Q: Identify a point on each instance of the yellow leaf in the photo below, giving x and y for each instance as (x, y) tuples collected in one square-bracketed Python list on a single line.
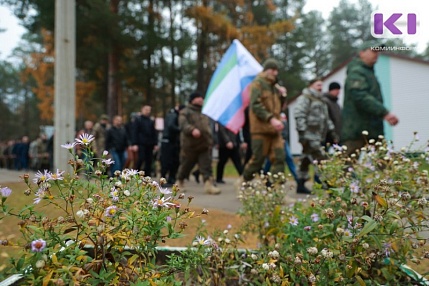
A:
[(47, 278), (382, 202), (132, 259), (360, 281)]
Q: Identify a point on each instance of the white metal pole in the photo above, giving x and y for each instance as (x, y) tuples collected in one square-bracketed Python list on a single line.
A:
[(65, 72)]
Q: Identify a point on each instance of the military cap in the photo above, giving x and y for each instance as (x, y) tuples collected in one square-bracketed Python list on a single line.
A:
[(271, 64)]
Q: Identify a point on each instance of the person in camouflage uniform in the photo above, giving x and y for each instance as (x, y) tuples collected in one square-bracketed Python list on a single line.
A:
[(266, 98), (313, 124), (100, 129), (363, 108), (196, 141)]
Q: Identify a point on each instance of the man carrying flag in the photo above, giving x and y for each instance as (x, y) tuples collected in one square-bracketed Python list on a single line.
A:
[(266, 101)]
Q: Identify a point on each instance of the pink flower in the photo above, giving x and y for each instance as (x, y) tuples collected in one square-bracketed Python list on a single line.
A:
[(38, 245)]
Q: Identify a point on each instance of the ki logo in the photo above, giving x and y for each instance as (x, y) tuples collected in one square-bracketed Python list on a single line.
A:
[(393, 25)]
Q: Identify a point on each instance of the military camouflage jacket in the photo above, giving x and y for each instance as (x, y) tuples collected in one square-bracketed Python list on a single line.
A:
[(312, 116), (265, 103), (363, 103), (190, 118)]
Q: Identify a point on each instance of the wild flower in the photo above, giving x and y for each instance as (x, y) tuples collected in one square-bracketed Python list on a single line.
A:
[(293, 220), (312, 250), (5, 192), (108, 162), (111, 211), (327, 253), (57, 176), (165, 191), (387, 247), (38, 245), (82, 213), (200, 240), (315, 217), (40, 177), (114, 194), (354, 187), (40, 263), (40, 194), (162, 202), (69, 146), (85, 139), (347, 232)]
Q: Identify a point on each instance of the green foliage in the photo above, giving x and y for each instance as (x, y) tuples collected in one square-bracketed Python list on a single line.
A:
[(348, 27), (106, 229), (366, 221), (362, 227)]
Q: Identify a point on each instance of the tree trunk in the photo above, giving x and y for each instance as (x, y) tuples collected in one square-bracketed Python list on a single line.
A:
[(201, 54), (112, 77)]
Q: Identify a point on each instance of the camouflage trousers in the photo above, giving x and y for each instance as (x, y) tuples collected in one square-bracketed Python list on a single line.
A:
[(263, 147), (189, 158), (311, 150)]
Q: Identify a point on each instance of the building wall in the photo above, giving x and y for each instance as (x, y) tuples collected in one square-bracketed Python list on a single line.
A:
[(410, 102)]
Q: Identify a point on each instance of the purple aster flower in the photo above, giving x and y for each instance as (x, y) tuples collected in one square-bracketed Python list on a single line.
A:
[(315, 217), (111, 211), (200, 240), (38, 245), (5, 192), (58, 176), (293, 220), (387, 248), (162, 202), (40, 177), (40, 194), (354, 187), (347, 232), (165, 191), (115, 195)]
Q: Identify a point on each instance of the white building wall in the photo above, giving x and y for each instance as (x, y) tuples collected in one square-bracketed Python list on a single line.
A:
[(410, 102)]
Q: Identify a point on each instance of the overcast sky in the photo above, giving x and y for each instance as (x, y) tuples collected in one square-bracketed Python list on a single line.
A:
[(10, 38)]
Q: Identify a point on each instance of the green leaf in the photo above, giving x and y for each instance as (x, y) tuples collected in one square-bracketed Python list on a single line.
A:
[(360, 280), (368, 228)]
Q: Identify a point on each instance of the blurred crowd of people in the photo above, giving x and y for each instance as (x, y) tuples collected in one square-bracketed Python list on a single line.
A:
[(185, 145), (23, 154)]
